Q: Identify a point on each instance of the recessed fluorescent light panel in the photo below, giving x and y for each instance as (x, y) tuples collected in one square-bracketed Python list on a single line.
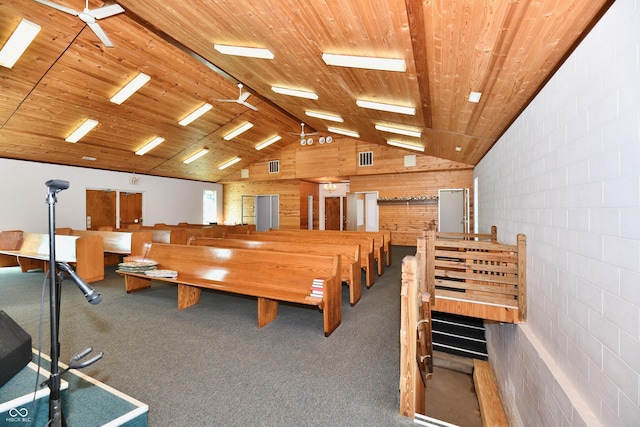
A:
[(475, 97), (399, 131), (197, 113), (89, 158), (324, 116), (150, 146), (196, 156), (411, 111), (367, 62), (268, 142), (405, 145), (249, 52), (238, 131), (344, 132), (229, 163), (294, 92), (82, 130), (130, 88), (18, 43)]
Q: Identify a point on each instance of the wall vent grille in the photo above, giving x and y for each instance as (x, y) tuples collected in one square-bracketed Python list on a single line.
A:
[(274, 166), (365, 158)]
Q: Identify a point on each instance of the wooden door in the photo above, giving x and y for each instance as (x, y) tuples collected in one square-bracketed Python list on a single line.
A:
[(130, 209), (100, 209), (356, 219), (332, 213)]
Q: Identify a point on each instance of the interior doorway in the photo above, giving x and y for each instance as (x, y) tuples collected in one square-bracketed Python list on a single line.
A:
[(362, 211), (332, 214), (453, 210), (111, 209), (267, 210)]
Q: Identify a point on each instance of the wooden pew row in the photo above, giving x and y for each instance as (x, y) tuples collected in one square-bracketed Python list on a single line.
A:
[(349, 256), (32, 252), (366, 246), (268, 275), (378, 241), (115, 243)]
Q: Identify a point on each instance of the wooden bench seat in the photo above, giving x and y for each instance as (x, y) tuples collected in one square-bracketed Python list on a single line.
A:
[(349, 256), (367, 261), (268, 275), (32, 252), (378, 240)]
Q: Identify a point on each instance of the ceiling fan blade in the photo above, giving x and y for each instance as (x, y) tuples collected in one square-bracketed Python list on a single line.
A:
[(100, 33), (246, 104), (59, 7), (106, 11), (244, 96)]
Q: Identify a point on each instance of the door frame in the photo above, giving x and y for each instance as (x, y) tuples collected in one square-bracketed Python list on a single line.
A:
[(144, 202)]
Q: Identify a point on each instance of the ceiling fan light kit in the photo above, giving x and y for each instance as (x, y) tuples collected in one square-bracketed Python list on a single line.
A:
[(130, 88), (18, 43)]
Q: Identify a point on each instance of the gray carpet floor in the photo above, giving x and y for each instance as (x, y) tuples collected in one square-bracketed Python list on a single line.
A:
[(210, 364)]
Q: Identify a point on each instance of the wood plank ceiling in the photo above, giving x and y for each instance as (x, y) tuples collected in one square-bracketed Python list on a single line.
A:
[(505, 49)]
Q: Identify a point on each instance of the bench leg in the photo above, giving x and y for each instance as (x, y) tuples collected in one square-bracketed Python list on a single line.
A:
[(187, 296), (267, 311), (132, 283)]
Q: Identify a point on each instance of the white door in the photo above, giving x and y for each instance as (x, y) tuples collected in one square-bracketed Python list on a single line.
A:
[(453, 208)]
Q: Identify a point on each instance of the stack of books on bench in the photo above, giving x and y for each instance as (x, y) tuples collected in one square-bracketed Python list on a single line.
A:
[(137, 267), (317, 290)]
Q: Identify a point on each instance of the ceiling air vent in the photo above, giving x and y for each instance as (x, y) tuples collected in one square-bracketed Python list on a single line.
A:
[(274, 166), (366, 158)]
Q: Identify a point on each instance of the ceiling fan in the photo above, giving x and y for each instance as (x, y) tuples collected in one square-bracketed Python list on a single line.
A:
[(242, 99), (89, 17)]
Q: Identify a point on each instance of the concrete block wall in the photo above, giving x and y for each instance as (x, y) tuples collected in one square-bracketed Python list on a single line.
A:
[(567, 174)]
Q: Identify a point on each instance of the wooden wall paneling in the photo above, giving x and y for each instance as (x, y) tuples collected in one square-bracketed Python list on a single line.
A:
[(288, 192), (406, 221)]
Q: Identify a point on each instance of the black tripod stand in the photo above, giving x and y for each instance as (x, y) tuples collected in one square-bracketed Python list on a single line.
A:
[(56, 418)]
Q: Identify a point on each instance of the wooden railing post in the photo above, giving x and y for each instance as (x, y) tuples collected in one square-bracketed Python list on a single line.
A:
[(522, 277), (430, 264)]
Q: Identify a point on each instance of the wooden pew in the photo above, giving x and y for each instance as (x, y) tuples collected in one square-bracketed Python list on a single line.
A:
[(115, 243), (378, 241), (268, 275), (349, 256), (366, 245), (32, 252)]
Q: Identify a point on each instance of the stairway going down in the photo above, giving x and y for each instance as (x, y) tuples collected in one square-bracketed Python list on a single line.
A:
[(459, 335)]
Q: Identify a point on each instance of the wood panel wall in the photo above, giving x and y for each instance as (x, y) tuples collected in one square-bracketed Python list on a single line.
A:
[(406, 221), (289, 192), (389, 176)]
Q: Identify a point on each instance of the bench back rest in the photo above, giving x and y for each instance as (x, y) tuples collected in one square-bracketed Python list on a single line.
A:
[(378, 236), (292, 270), (176, 236), (117, 242), (366, 243), (349, 253), (38, 244)]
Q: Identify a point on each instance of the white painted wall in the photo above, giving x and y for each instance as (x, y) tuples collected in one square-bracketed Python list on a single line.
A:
[(567, 174), (23, 196)]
